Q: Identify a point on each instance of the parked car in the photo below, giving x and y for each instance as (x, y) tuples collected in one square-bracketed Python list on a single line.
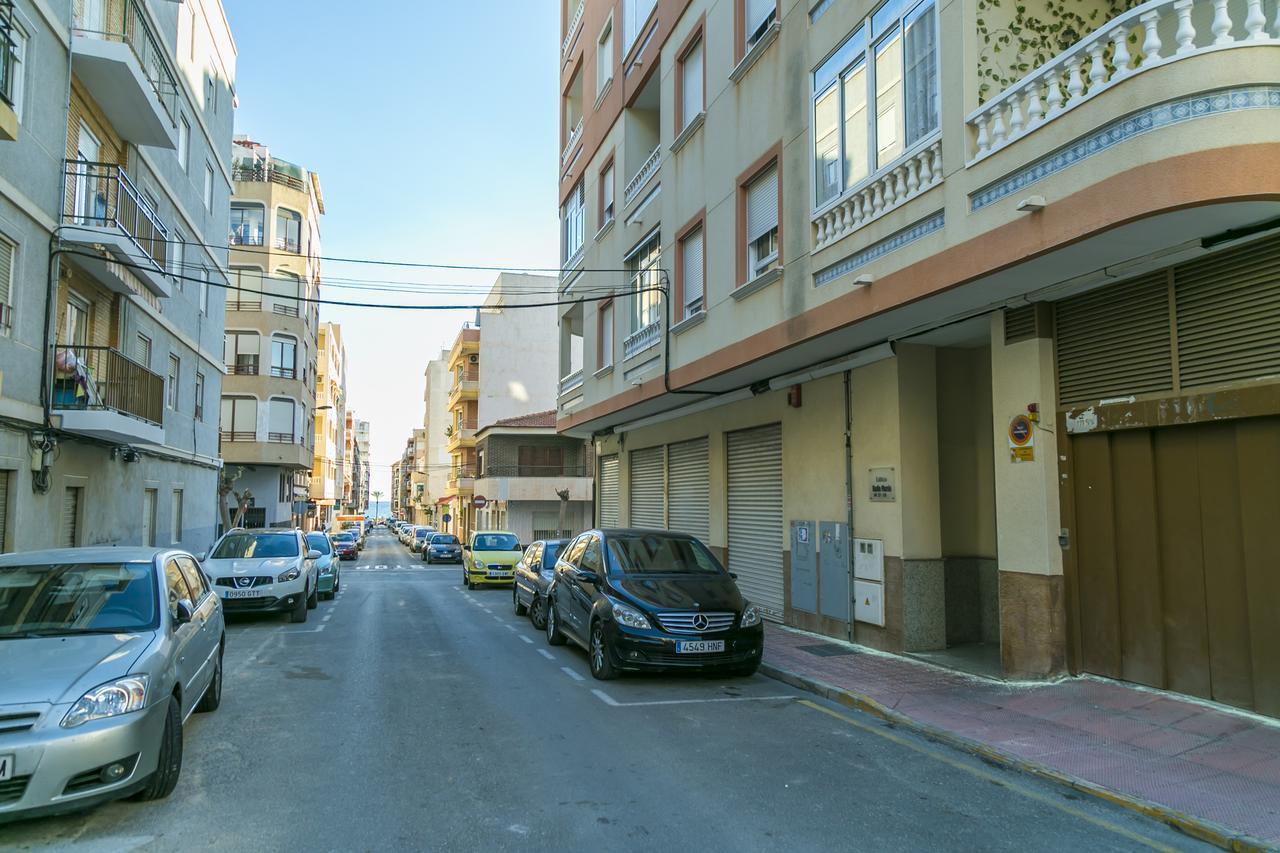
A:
[(327, 568), (346, 545), (651, 599), (103, 654), (265, 572), (406, 530), (421, 535), (490, 558), (534, 574), (442, 547)]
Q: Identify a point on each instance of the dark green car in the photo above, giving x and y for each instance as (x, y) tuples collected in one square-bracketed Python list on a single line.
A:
[(330, 571)]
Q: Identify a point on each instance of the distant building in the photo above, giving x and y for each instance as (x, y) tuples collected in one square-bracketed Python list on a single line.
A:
[(328, 470)]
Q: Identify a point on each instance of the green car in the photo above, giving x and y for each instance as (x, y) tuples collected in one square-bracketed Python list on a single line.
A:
[(328, 565)]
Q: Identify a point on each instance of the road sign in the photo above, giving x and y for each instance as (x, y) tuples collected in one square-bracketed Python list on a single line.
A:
[(479, 502)]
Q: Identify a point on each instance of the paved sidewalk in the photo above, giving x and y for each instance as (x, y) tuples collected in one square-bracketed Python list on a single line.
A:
[(1213, 772)]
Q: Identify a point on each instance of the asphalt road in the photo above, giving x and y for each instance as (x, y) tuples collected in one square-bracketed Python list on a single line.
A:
[(410, 714)]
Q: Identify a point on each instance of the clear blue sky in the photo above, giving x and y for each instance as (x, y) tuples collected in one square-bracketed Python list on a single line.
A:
[(432, 126)]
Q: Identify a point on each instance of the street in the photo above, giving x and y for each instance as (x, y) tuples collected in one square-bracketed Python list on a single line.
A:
[(411, 714)]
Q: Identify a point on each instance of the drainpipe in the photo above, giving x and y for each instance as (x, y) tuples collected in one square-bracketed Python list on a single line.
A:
[(848, 490)]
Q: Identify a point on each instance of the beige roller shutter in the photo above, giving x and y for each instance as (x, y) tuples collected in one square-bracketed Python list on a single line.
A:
[(689, 488), (607, 491), (70, 533), (647, 495), (4, 507), (755, 515)]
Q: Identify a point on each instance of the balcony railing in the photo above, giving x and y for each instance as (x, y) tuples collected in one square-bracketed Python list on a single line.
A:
[(284, 372), (647, 170), (244, 365), (574, 136), (571, 382), (899, 182), (237, 435), (466, 472), (573, 27), (87, 377), (288, 244), (123, 21), (244, 304), (285, 309), (244, 235), (267, 173), (100, 195), (1147, 36), (281, 438), (6, 51), (642, 339)]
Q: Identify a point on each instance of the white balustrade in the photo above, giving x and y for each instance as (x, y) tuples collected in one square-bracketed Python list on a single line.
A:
[(1162, 31), (642, 339), (568, 147), (642, 177), (573, 28), (570, 382), (890, 188)]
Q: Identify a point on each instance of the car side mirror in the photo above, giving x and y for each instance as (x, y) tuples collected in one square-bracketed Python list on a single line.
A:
[(313, 554), (186, 612), (466, 547), (587, 576), (202, 556)]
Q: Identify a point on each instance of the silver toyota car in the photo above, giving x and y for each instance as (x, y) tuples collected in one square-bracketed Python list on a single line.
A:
[(104, 652)]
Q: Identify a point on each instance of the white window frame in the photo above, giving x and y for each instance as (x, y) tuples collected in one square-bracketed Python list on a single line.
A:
[(204, 291), (753, 31), (198, 410), (173, 381), (177, 260), (573, 224), (608, 330), (18, 68), (644, 264), (608, 194), (693, 306), (633, 20), (762, 250), (208, 187), (184, 142), (6, 286), (604, 56)]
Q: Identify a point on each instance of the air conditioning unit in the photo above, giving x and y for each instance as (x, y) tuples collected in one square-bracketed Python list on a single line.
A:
[(474, 359)]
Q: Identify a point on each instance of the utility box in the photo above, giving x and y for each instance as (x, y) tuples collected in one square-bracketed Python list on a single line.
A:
[(869, 602), (833, 569), (804, 567), (868, 583)]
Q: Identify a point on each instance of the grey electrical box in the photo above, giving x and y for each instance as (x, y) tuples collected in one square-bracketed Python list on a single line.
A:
[(804, 567), (833, 568)]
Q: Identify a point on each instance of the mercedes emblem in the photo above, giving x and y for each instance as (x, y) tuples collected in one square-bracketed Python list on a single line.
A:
[(700, 622)]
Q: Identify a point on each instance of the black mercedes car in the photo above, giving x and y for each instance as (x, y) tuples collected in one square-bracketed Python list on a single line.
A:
[(651, 599), (534, 573)]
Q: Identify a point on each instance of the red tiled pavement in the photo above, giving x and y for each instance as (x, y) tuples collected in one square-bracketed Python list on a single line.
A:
[(1209, 764)]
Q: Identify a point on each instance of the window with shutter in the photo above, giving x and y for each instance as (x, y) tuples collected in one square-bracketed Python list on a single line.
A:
[(691, 272), (762, 223), (691, 84), (757, 16), (281, 420), (7, 254)]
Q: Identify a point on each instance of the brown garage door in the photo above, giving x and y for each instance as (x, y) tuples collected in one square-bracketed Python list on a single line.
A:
[(1175, 558)]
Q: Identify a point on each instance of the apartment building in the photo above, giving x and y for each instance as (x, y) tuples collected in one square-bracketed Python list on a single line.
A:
[(957, 352), (115, 119), (501, 366), (328, 468), (437, 382), (396, 498), (361, 471), (272, 334)]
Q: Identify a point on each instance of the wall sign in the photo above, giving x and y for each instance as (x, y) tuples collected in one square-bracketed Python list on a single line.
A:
[(1022, 439), (883, 485)]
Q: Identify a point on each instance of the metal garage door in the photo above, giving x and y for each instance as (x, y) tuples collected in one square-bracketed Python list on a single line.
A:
[(70, 517), (607, 491), (689, 488), (4, 507), (755, 515), (647, 497)]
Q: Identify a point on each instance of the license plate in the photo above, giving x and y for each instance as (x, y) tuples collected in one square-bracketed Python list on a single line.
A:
[(6, 767), (499, 574), (246, 593), (698, 647)]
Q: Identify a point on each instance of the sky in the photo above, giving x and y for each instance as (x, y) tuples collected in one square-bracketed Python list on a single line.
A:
[(433, 128)]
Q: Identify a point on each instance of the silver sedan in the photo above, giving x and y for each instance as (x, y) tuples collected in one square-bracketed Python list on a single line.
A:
[(104, 653)]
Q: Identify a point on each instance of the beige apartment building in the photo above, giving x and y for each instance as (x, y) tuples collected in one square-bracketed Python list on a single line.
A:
[(272, 334), (328, 472), (958, 352)]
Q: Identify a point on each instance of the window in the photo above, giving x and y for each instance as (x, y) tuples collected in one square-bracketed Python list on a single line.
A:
[(204, 291), (246, 289), (692, 83), (240, 353), (17, 68), (184, 143), (604, 357), (194, 577), (284, 352), (208, 187), (757, 17), (634, 15), (692, 272), (144, 351), (177, 260), (573, 218), (591, 561), (248, 222), (288, 230), (239, 418), (200, 396), (171, 388), (8, 252), (75, 322), (280, 420), (175, 518), (604, 57), (534, 461), (150, 497), (872, 104), (606, 194), (761, 210), (646, 278)]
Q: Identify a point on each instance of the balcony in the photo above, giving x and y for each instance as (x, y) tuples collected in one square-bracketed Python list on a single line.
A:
[(534, 483), (244, 365), (125, 67), (574, 136), (272, 172), (467, 389), (570, 383), (462, 478), (572, 31), (459, 438), (249, 305), (641, 178), (912, 174), (102, 393), (642, 339), (102, 208)]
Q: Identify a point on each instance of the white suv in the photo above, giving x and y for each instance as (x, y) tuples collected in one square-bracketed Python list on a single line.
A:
[(264, 571)]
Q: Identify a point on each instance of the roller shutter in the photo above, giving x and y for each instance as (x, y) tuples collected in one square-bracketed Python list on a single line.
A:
[(689, 488), (70, 517), (607, 491), (755, 515), (648, 489), (4, 507)]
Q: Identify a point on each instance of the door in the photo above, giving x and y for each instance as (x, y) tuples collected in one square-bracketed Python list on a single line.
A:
[(607, 491), (1172, 567), (689, 488), (562, 592), (648, 502), (204, 645), (70, 526), (755, 515), (75, 322), (90, 199), (582, 592), (186, 649), (149, 518), (94, 16)]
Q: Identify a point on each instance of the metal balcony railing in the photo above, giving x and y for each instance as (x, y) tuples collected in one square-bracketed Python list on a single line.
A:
[(285, 309), (100, 195), (244, 365), (123, 21), (244, 304), (7, 46), (237, 435), (246, 235), (281, 437), (272, 172), (88, 377), (284, 372)]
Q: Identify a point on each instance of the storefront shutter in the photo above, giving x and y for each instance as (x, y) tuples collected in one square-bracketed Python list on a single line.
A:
[(648, 488), (607, 491), (755, 515), (70, 516), (689, 488), (4, 507)]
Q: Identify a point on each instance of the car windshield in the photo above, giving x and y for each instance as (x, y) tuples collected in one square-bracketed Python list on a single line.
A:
[(444, 540), (318, 542), (244, 546), (421, 534), (77, 598), (656, 554), (550, 552), (495, 542), (344, 537)]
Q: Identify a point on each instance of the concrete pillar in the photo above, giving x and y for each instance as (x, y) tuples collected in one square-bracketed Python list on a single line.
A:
[(1032, 605), (924, 625)]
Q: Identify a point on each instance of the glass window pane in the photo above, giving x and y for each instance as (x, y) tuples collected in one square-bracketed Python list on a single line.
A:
[(856, 129), (826, 155), (889, 131), (922, 74)]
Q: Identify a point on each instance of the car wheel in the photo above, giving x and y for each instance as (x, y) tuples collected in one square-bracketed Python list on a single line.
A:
[(601, 663), (554, 635), (212, 697), (538, 612), (314, 598), (299, 611), (169, 767), (519, 608)]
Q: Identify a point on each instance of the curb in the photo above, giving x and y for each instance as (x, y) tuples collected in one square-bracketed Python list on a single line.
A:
[(1193, 827)]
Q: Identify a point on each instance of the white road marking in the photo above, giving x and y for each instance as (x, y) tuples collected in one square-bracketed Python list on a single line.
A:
[(511, 628), (327, 617), (569, 672), (546, 654), (315, 630), (609, 700), (526, 639)]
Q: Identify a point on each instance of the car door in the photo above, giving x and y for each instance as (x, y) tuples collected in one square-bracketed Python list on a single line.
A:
[(207, 613), (583, 590), (186, 648), (525, 569), (565, 580)]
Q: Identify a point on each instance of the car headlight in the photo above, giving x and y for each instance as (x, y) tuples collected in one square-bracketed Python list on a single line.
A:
[(750, 616), (108, 700), (629, 616), (291, 575)]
